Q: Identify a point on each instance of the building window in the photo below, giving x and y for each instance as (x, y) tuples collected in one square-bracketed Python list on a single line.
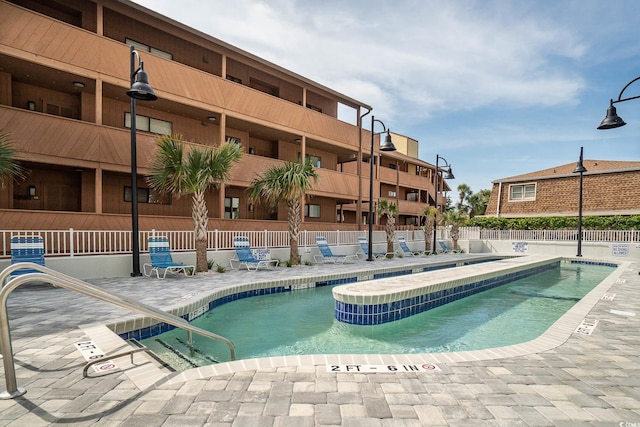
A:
[(392, 193), (234, 79), (393, 166), (231, 208), (148, 124), (141, 47), (232, 140), (312, 211), (147, 195), (315, 160), (522, 192)]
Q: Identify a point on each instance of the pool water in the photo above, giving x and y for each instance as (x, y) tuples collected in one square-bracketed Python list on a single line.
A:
[(302, 322)]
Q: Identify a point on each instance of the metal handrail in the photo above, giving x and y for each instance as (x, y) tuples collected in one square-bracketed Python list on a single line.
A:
[(85, 371), (56, 278)]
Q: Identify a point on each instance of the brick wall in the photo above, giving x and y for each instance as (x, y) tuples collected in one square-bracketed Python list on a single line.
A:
[(603, 193)]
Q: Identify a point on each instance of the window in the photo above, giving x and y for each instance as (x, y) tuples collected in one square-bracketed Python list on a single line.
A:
[(522, 192), (393, 166), (149, 124), (312, 211), (232, 140), (141, 47), (147, 195), (231, 207), (315, 160), (392, 193), (234, 79)]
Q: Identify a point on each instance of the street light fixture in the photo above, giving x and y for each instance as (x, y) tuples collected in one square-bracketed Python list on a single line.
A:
[(581, 170), (435, 202), (141, 90), (612, 120), (386, 146)]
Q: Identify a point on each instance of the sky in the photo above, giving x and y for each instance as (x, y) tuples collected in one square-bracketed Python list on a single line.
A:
[(495, 88)]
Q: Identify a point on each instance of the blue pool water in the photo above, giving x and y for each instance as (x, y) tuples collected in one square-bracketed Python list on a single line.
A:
[(302, 322)]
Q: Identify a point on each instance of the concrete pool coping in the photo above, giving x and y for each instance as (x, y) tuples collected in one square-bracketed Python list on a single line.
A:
[(146, 374)]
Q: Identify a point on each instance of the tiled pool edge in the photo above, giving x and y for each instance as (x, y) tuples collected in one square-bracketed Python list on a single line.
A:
[(556, 335), (140, 328), (385, 307)]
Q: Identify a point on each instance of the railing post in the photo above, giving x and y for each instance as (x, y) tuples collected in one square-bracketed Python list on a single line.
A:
[(71, 245)]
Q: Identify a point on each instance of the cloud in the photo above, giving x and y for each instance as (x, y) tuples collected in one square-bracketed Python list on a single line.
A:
[(425, 56)]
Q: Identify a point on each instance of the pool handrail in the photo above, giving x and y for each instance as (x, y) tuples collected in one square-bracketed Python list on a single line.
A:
[(56, 278)]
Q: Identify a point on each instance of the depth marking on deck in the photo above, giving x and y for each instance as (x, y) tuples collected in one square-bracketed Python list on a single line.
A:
[(91, 352), (608, 297), (425, 367), (587, 326)]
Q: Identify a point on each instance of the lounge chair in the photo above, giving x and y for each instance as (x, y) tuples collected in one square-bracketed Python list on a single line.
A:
[(27, 249), (161, 259), (364, 248), (246, 257), (404, 248), (446, 249), (327, 256)]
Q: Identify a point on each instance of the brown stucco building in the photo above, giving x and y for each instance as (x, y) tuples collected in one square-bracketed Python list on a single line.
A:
[(64, 74)]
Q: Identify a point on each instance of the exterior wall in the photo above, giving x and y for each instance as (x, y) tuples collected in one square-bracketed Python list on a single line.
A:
[(78, 147), (603, 194)]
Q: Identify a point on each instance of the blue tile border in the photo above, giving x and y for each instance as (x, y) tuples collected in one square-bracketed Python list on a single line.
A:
[(375, 314), (381, 312)]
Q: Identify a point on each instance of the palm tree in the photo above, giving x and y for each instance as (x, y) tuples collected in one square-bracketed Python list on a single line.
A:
[(192, 173), (288, 183), (464, 192), (430, 214), (455, 219), (390, 210), (478, 202), (9, 169)]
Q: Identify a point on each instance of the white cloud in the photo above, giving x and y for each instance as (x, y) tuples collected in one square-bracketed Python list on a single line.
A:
[(422, 55)]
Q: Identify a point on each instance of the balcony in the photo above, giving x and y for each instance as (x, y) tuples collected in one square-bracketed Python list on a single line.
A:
[(180, 88)]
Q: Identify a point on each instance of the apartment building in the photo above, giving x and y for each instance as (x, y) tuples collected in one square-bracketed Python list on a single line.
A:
[(64, 76)]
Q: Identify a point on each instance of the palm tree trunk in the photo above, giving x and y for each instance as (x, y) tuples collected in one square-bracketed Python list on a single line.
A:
[(455, 235), (294, 231), (200, 220), (390, 229)]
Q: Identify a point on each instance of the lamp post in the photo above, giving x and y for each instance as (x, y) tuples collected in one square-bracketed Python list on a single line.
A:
[(435, 197), (141, 90), (386, 146), (580, 169), (612, 120)]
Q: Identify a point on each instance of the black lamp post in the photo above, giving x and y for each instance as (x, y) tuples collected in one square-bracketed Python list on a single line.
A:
[(580, 169), (612, 120), (141, 90), (386, 146), (435, 196)]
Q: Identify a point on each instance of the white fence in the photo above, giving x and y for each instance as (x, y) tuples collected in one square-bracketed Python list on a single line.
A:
[(94, 242)]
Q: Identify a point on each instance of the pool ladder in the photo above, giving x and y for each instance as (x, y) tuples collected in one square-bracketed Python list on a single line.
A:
[(56, 278)]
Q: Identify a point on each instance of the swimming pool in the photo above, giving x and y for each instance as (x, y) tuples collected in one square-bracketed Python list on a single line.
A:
[(303, 322)]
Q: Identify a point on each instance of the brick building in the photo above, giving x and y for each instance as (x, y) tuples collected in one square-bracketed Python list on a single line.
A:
[(609, 188)]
